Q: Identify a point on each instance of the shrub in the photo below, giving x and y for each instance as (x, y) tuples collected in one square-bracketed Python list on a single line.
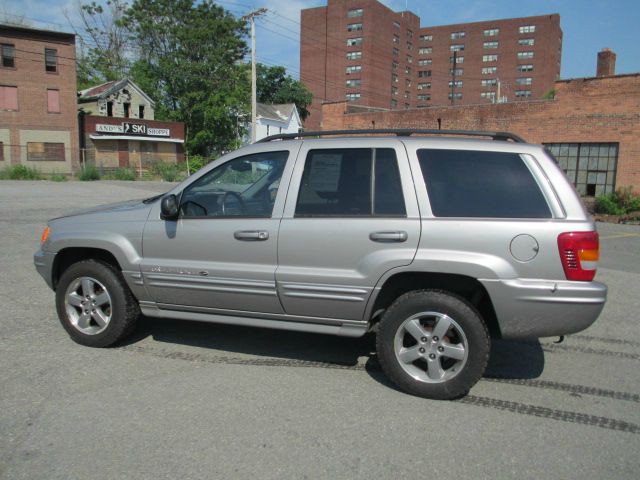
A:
[(127, 174), (196, 162), (89, 173), (58, 177), (20, 172), (620, 202), (169, 172)]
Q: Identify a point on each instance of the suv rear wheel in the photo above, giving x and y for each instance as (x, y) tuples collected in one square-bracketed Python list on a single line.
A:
[(94, 304), (433, 344)]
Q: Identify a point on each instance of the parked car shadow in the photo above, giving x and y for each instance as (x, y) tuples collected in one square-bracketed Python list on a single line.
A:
[(509, 359)]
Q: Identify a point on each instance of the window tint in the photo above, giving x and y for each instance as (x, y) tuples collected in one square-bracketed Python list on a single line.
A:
[(481, 184), (337, 182), (245, 186)]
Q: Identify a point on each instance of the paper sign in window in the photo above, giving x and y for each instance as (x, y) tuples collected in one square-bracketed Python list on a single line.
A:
[(325, 172)]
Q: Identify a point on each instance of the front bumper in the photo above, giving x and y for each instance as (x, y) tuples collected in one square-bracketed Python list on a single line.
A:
[(545, 308), (44, 265)]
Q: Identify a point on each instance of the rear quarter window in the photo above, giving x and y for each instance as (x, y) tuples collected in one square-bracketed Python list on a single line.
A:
[(467, 183)]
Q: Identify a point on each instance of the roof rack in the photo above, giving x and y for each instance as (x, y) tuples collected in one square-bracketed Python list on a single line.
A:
[(502, 136)]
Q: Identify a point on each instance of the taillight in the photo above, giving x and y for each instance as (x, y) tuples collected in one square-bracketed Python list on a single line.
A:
[(579, 252)]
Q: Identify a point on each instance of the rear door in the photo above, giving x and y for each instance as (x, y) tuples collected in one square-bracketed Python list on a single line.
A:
[(351, 215)]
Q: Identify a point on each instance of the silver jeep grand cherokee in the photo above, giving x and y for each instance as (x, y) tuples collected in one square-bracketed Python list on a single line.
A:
[(436, 244)]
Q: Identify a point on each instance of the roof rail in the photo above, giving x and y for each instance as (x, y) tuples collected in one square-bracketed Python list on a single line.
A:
[(503, 136)]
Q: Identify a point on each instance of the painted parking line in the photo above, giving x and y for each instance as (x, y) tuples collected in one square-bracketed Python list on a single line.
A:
[(621, 235)]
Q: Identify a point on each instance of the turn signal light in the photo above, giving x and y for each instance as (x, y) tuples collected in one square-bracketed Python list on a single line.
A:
[(579, 252), (45, 235)]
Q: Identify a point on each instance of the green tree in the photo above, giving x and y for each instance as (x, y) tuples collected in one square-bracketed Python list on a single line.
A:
[(273, 85), (189, 62)]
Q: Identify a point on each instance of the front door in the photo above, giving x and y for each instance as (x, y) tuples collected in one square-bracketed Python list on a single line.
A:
[(351, 216), (222, 251)]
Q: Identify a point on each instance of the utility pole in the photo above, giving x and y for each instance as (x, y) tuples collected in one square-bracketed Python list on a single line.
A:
[(251, 16), (453, 75)]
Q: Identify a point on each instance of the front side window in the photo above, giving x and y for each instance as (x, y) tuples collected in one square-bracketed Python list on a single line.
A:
[(348, 182), (466, 183), (51, 60), (8, 53), (245, 186)]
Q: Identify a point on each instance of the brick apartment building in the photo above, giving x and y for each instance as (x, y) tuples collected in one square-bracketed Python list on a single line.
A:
[(362, 51), (38, 124), (592, 126)]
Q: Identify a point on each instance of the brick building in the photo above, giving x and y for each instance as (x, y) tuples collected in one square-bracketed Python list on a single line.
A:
[(362, 51), (38, 124), (592, 126)]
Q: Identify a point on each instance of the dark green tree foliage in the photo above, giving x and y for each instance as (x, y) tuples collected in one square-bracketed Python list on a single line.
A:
[(275, 86), (189, 62)]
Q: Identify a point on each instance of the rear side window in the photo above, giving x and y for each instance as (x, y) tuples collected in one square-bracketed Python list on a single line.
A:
[(463, 183), (351, 182)]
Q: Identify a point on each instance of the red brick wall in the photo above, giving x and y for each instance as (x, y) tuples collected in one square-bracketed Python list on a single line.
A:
[(584, 110), (32, 80)]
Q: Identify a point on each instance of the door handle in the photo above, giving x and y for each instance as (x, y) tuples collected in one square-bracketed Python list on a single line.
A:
[(251, 235), (388, 237)]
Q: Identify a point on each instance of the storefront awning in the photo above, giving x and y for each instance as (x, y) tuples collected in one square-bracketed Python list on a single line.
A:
[(135, 137)]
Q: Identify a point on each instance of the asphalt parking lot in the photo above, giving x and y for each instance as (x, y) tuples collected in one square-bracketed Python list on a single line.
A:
[(187, 400)]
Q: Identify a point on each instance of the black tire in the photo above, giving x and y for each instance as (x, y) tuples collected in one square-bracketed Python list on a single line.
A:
[(462, 374), (123, 308)]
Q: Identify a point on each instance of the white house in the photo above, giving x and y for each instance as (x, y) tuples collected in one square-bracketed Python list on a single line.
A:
[(272, 119)]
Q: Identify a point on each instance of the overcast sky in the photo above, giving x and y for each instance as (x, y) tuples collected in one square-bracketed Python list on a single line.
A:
[(588, 25)]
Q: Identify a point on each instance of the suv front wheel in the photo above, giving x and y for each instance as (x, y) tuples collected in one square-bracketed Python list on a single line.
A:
[(94, 304), (433, 344)]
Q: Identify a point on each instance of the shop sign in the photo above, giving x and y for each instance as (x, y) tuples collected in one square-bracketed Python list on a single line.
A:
[(133, 129)]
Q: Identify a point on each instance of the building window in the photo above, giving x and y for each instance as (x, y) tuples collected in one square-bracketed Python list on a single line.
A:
[(354, 42), (352, 97), (354, 27), (109, 109), (492, 32), (424, 62), (456, 95), (407, 70), (395, 65), (394, 103), (352, 83), (426, 38), (489, 95), (490, 45), (527, 29), (456, 84), (8, 53), (353, 69), (140, 111), (8, 97), (409, 34), (489, 70), (356, 12), (490, 58), (526, 41), (525, 68), (489, 82), (394, 77), (407, 83), (51, 60), (457, 47), (522, 55), (127, 109), (424, 97), (425, 51), (409, 46), (523, 93), (53, 100), (354, 55), (424, 86), (409, 59), (524, 81), (396, 52), (456, 71), (396, 25), (394, 90), (424, 73), (459, 60), (590, 166), (457, 35), (396, 38), (45, 152)]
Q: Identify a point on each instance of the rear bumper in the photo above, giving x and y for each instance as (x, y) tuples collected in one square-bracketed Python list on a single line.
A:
[(43, 262), (545, 308)]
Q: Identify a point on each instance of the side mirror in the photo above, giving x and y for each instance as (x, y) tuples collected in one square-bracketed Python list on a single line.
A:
[(169, 207)]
